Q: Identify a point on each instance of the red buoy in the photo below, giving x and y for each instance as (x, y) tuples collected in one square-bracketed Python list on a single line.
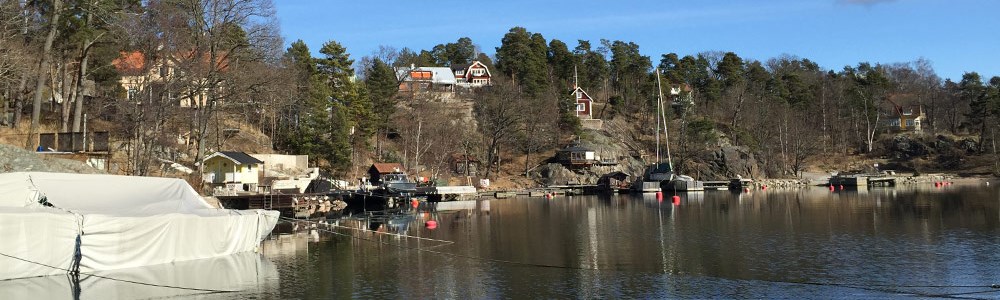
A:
[(841, 187), (676, 199), (414, 203), (832, 188), (763, 187), (431, 224), (746, 190)]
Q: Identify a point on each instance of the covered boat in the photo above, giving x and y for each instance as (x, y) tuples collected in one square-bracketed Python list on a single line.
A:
[(51, 223)]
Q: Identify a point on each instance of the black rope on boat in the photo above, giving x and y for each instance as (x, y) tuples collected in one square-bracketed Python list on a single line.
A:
[(208, 291)]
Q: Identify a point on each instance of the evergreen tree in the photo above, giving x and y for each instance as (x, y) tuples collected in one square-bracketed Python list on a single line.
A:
[(564, 64), (460, 52), (382, 86), (350, 107), (593, 69), (522, 55)]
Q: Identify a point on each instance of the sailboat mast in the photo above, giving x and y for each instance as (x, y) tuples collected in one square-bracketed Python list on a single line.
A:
[(658, 100), (662, 116)]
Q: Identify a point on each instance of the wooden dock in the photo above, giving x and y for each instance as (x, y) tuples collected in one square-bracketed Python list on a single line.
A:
[(863, 180)]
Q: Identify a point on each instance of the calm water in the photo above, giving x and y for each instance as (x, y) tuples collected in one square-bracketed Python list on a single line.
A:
[(810, 243)]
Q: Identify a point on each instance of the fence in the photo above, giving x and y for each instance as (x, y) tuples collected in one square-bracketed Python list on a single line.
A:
[(75, 141)]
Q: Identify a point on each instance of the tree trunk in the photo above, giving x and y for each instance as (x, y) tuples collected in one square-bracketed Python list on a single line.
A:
[(67, 93), (19, 99), (43, 67), (80, 79)]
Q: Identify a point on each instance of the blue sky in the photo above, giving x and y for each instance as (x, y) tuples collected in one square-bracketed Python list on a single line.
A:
[(957, 36)]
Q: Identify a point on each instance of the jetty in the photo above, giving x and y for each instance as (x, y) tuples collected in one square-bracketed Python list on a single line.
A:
[(865, 180)]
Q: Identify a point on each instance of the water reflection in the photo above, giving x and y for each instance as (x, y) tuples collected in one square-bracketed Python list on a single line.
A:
[(711, 244), (715, 244), (239, 272)]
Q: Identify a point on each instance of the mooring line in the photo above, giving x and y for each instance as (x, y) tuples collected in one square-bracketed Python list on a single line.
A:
[(359, 229)]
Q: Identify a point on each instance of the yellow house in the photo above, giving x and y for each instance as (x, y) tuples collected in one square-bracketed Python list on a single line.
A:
[(234, 170)]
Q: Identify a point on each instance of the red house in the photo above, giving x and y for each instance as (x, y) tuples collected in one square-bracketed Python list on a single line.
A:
[(472, 75), (584, 103)]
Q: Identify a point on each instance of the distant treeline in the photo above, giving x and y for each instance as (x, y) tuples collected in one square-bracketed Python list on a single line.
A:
[(174, 78)]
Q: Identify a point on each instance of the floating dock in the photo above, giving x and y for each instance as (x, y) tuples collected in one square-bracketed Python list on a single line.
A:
[(863, 180)]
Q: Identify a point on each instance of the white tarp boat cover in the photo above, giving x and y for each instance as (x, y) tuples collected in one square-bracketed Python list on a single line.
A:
[(110, 222)]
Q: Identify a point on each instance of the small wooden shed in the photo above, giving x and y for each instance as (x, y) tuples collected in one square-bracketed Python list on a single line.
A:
[(576, 156)]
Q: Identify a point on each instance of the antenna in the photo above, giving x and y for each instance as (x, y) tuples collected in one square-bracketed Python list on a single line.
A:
[(576, 79)]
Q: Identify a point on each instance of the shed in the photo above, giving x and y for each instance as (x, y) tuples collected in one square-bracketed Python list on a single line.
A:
[(576, 156), (464, 164), (380, 171), (236, 170)]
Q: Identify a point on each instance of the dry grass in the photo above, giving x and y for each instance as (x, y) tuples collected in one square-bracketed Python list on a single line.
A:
[(19, 136)]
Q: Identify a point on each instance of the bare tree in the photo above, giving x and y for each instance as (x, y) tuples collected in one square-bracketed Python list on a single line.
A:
[(43, 69), (499, 111)]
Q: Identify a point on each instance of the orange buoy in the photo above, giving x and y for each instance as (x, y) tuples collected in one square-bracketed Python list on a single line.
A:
[(431, 224), (414, 203)]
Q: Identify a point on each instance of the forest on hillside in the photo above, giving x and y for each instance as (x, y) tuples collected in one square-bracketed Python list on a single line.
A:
[(65, 59)]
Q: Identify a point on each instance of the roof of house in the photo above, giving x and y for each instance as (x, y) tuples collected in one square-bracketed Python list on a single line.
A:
[(576, 148), (439, 75), (462, 67), (130, 61), (237, 157), (573, 92), (477, 63), (387, 167)]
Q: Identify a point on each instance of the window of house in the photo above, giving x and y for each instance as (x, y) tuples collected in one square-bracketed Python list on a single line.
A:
[(164, 71), (581, 107), (459, 72), (478, 72), (133, 93)]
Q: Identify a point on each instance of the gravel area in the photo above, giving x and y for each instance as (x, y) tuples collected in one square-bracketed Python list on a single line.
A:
[(16, 159)]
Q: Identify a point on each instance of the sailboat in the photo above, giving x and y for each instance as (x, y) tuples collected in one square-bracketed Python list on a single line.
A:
[(660, 176)]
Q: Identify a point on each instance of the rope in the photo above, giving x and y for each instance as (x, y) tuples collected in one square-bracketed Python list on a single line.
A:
[(444, 242), (208, 291)]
